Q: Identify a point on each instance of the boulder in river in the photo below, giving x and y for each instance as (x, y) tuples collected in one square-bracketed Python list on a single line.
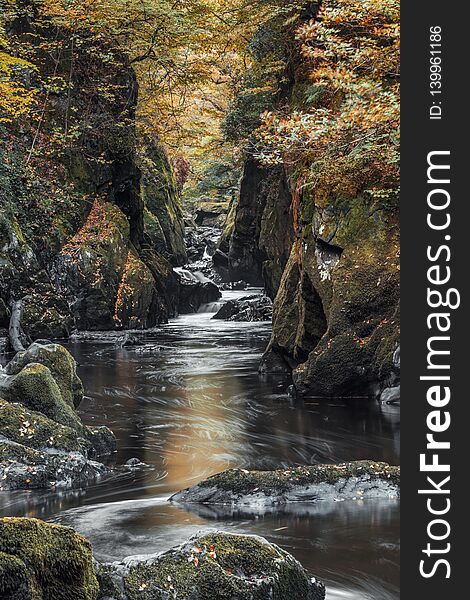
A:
[(40, 560), (195, 289), (43, 440), (360, 479), (248, 308), (216, 565), (59, 362)]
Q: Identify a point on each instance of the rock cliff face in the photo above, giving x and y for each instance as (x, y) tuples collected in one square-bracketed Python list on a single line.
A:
[(89, 227), (262, 230), (336, 311), (335, 281), (336, 288), (327, 253)]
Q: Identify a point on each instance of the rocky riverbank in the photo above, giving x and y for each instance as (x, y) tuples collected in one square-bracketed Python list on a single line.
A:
[(43, 442)]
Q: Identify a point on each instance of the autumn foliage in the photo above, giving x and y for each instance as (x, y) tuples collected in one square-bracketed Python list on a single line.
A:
[(344, 137)]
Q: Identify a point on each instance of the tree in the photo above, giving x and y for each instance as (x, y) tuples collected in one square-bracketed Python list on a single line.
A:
[(346, 136)]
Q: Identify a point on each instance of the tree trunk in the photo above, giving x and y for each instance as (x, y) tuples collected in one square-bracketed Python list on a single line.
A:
[(15, 332)]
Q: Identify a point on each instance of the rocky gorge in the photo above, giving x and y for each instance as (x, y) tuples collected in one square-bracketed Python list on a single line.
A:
[(194, 376)]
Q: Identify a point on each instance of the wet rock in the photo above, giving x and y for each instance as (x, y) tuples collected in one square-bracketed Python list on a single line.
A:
[(41, 560), (195, 290), (4, 315), (133, 462), (201, 242), (390, 395), (220, 259), (361, 479), (60, 363), (249, 308), (102, 441), (127, 340), (23, 468), (215, 565), (44, 442), (238, 285), (4, 341), (210, 214), (274, 363)]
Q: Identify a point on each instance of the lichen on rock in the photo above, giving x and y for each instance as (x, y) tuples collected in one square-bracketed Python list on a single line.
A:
[(360, 479), (43, 440), (40, 561), (213, 565)]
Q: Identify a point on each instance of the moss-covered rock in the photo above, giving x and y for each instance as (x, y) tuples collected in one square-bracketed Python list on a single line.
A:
[(91, 265), (164, 223), (60, 363), (136, 301), (336, 314), (40, 561), (215, 565), (44, 442), (34, 430), (109, 283), (38, 452), (35, 388), (361, 479)]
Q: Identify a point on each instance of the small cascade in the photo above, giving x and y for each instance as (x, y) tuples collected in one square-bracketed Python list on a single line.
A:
[(211, 307)]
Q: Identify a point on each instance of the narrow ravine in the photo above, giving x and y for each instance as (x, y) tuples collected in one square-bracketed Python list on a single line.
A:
[(188, 402)]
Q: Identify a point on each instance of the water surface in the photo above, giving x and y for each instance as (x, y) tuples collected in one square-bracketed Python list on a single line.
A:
[(188, 403)]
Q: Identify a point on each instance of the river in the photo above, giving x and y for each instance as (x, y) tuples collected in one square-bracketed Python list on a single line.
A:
[(188, 403)]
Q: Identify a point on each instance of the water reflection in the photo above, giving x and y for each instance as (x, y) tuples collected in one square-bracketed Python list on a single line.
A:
[(189, 403)]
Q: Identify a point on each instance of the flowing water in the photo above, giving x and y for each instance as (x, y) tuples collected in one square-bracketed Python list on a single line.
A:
[(188, 403)]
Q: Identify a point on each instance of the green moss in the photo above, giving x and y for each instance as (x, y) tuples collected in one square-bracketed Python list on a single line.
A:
[(242, 481), (34, 430), (221, 566), (15, 579), (19, 453), (61, 365), (35, 388), (163, 212), (45, 562)]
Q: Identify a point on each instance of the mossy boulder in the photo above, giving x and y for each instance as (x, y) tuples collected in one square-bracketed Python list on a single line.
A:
[(44, 442), (38, 452), (34, 430), (41, 561), (360, 479), (60, 363), (35, 388), (215, 565)]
